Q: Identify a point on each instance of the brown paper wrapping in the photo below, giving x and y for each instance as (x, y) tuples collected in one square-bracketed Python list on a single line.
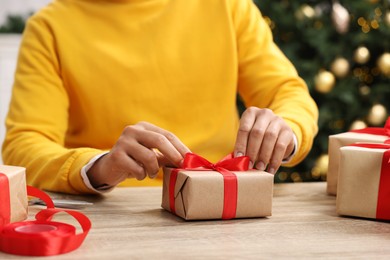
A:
[(199, 194), (335, 143), (18, 193), (360, 171)]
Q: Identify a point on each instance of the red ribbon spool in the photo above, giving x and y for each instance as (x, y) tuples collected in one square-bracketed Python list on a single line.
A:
[(43, 237)]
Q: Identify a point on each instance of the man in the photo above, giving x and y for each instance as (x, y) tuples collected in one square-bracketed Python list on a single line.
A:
[(106, 92)]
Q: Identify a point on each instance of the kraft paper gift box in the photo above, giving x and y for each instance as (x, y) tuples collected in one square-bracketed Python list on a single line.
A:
[(202, 194), (367, 135), (13, 194), (364, 181)]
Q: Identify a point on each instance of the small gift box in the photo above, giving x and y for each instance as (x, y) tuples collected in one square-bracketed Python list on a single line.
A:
[(226, 190), (13, 194), (364, 181), (366, 135)]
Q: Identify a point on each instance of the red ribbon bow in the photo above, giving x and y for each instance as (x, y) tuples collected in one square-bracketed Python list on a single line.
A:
[(194, 162), (383, 205)]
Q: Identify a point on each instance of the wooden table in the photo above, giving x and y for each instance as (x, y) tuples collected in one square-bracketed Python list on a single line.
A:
[(128, 223)]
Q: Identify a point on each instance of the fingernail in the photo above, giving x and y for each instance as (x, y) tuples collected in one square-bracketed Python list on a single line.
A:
[(260, 166), (271, 170), (250, 165), (238, 154)]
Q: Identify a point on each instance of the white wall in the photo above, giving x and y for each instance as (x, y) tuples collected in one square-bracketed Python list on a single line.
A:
[(19, 7), (9, 45)]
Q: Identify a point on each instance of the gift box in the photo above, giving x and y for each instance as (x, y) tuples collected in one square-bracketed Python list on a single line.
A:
[(13, 194), (367, 135), (202, 192), (364, 181)]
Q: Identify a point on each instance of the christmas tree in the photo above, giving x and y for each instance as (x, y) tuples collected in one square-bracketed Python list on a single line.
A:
[(342, 50)]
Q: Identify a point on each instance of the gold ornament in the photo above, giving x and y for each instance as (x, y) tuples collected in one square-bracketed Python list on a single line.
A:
[(358, 124), (340, 17), (321, 164), (364, 90), (340, 67), (305, 12), (384, 64), (362, 55), (387, 18), (324, 81), (377, 115)]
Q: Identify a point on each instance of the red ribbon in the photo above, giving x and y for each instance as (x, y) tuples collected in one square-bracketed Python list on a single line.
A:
[(383, 203), (375, 130), (195, 162), (43, 237), (5, 200)]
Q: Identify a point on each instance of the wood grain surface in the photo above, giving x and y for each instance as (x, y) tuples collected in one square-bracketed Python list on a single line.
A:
[(129, 223)]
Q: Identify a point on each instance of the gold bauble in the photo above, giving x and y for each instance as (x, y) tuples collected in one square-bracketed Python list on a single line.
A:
[(364, 90), (358, 124), (383, 64), (321, 163), (362, 55), (305, 12), (324, 81), (340, 67), (387, 18), (377, 115)]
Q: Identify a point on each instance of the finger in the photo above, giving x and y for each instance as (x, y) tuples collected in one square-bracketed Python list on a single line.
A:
[(283, 142), (160, 142), (124, 166), (136, 170), (247, 120), (173, 139), (268, 144), (163, 161), (145, 157), (289, 149), (256, 138)]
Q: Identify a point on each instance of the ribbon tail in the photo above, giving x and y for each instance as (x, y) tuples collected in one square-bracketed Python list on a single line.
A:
[(230, 193), (383, 205)]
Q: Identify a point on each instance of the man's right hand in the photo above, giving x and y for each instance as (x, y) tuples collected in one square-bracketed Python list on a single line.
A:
[(139, 152)]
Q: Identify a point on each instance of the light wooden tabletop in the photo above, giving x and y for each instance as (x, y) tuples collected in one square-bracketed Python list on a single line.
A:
[(129, 223)]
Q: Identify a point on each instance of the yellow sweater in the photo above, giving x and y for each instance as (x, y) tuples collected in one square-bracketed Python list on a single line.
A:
[(88, 68)]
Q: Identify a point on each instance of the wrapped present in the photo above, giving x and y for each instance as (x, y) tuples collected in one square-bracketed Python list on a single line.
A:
[(364, 181), (366, 135), (13, 194), (225, 190)]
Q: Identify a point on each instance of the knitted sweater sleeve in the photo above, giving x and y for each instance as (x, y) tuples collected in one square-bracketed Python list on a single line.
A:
[(267, 79)]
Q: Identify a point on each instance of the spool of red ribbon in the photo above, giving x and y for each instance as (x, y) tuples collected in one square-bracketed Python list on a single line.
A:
[(43, 237)]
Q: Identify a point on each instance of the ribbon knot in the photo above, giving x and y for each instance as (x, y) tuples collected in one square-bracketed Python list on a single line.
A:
[(194, 162)]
